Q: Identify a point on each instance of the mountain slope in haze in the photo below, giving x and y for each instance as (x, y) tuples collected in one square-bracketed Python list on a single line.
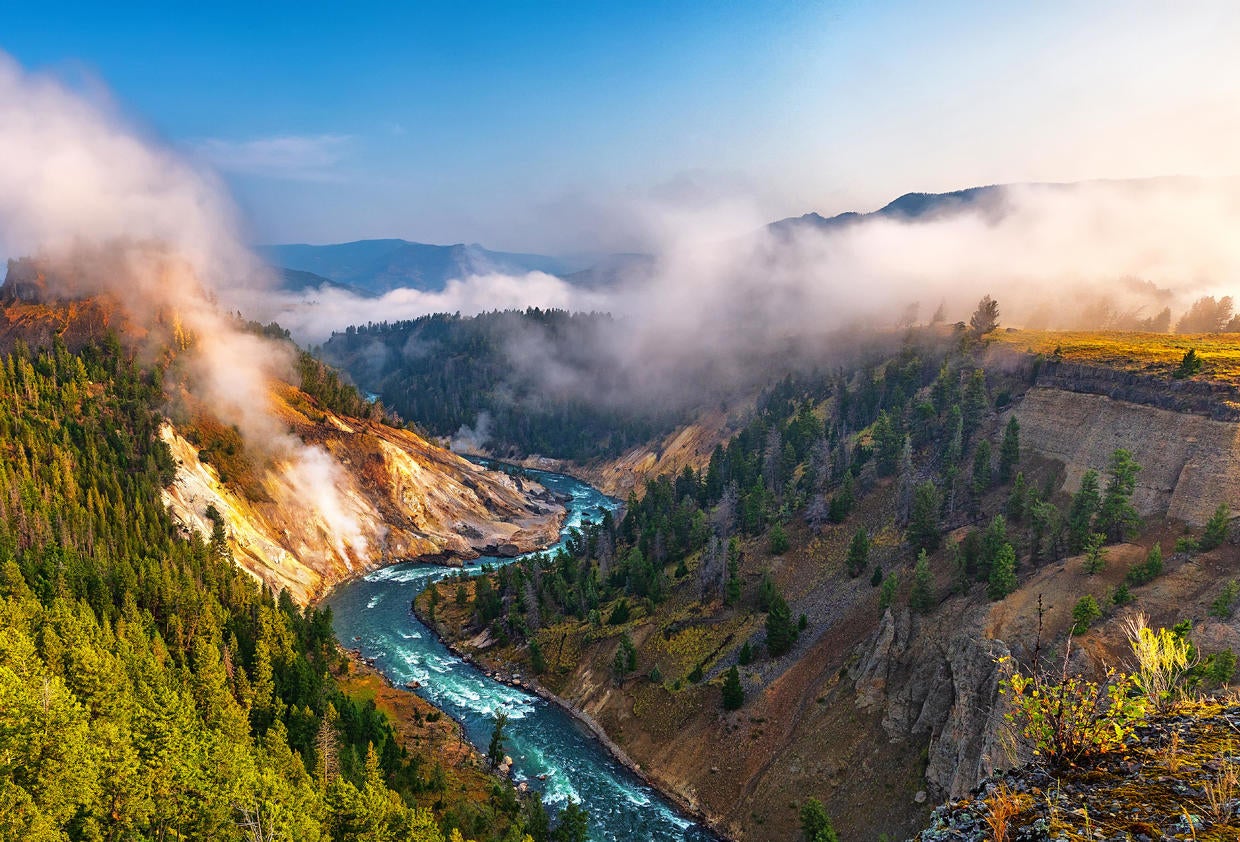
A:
[(910, 206), (378, 266), (296, 280)]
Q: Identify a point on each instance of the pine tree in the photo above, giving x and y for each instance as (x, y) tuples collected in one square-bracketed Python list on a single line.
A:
[(982, 475), (1116, 516), (1009, 450), (1084, 507), (779, 540), (732, 590), (1084, 613), (733, 692), (1216, 528), (1017, 500), (780, 631), (815, 823), (495, 749), (887, 591), (858, 552), (923, 527), (573, 824), (1095, 553), (921, 596), (975, 403), (1002, 573)]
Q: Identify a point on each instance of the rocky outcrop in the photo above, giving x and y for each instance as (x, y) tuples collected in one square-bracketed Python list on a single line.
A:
[(947, 689), (1189, 463), (1219, 401), (397, 496)]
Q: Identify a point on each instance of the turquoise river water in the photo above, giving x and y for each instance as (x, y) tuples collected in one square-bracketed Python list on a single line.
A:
[(550, 750)]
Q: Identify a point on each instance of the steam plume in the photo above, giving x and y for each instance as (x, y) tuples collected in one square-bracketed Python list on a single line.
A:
[(111, 212)]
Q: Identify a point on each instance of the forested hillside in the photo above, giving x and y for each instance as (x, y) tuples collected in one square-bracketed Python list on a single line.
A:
[(828, 592), (516, 383), (149, 689)]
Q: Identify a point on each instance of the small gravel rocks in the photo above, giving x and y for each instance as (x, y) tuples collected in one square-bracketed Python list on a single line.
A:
[(1177, 778)]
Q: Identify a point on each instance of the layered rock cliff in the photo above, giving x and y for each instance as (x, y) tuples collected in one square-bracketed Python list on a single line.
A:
[(402, 498)]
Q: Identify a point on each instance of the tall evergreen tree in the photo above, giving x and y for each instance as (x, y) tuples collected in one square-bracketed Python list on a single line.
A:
[(921, 597), (1116, 516), (781, 632), (733, 692), (1009, 450), (923, 526)]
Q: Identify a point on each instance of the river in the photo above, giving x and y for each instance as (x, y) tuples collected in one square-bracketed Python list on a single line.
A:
[(373, 614)]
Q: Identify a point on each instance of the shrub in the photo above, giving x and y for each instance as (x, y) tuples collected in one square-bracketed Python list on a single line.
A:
[(779, 540), (1148, 570), (815, 823), (1067, 720), (1186, 544), (1224, 605), (1216, 528), (1121, 595), (887, 591), (1164, 659), (620, 614), (1085, 614)]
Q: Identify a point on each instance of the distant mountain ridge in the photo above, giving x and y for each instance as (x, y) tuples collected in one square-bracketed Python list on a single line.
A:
[(377, 266), (374, 267), (910, 206)]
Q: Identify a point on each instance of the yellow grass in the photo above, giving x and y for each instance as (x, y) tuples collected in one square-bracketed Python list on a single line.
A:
[(1152, 353)]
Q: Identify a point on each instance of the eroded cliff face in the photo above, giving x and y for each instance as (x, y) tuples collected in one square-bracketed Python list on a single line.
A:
[(1190, 463), (402, 497)]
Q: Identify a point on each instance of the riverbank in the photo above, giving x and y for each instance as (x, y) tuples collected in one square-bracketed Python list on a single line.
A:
[(499, 671)]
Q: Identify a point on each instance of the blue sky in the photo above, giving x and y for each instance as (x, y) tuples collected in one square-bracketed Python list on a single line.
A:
[(550, 126)]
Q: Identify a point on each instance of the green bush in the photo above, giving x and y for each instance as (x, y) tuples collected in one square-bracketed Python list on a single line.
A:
[(745, 657), (779, 540), (816, 824), (1069, 719), (1225, 604), (1148, 570), (1085, 614), (1216, 528), (620, 613)]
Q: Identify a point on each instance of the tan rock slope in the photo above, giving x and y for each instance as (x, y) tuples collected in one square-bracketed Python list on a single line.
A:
[(403, 498)]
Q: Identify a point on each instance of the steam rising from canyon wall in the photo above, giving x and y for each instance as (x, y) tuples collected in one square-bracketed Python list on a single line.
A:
[(108, 211)]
